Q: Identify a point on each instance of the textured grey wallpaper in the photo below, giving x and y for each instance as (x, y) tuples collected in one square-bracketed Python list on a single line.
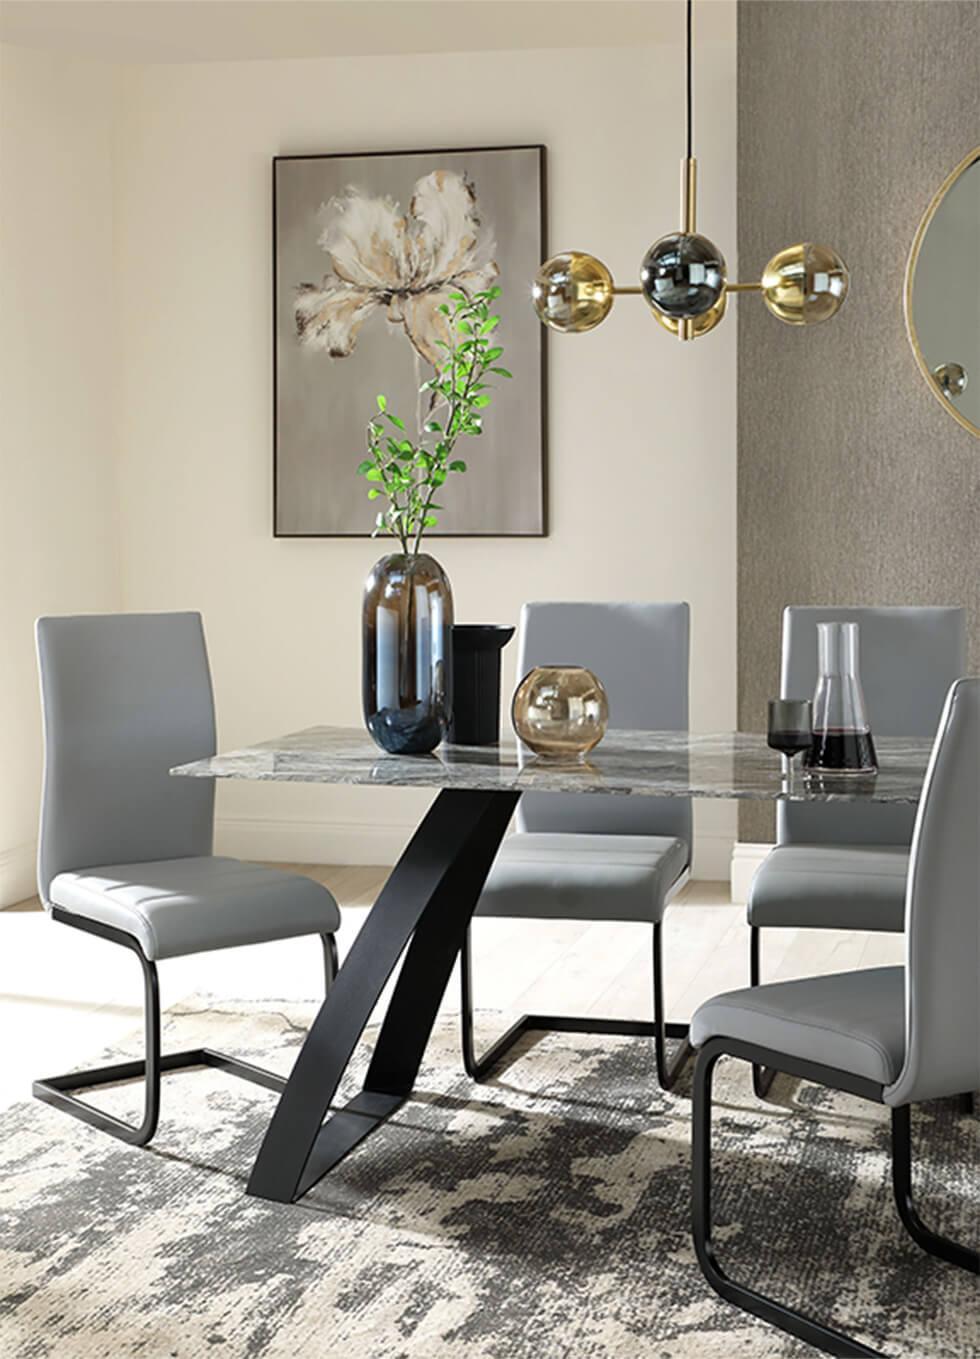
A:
[(854, 487)]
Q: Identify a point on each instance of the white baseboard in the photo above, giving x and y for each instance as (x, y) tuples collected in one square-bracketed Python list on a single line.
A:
[(18, 873), (362, 842), (367, 842), (310, 842), (746, 858)]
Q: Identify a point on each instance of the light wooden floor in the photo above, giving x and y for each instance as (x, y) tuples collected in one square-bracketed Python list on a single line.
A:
[(65, 995)]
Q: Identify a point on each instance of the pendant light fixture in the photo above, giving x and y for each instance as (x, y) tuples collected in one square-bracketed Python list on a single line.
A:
[(684, 277)]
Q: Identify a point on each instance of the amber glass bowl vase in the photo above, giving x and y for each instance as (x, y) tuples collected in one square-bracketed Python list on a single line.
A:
[(560, 711)]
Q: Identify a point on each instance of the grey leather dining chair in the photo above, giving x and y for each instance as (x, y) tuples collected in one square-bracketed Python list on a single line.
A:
[(126, 850), (843, 865), (895, 1035), (579, 856)]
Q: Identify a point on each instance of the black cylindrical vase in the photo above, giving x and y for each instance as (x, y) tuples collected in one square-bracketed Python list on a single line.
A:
[(407, 674), (476, 683)]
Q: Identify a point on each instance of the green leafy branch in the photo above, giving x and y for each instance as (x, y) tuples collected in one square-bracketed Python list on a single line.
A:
[(409, 473)]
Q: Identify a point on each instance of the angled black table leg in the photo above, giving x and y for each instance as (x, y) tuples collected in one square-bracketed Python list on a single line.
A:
[(428, 900)]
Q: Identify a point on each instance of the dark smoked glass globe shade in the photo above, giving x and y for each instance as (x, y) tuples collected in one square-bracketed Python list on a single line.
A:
[(683, 275)]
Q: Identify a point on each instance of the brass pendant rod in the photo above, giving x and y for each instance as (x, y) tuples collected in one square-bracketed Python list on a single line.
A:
[(729, 288), (801, 285), (689, 222)]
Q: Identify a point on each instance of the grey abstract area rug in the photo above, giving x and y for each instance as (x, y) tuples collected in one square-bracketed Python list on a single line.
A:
[(542, 1216)]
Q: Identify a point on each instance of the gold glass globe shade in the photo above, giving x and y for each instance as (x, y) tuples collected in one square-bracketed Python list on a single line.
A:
[(560, 711), (951, 379), (572, 292), (700, 325), (805, 284)]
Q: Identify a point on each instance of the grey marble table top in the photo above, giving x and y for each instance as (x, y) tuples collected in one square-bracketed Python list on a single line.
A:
[(642, 763)]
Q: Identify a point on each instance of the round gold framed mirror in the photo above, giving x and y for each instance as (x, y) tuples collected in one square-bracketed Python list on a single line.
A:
[(942, 294)]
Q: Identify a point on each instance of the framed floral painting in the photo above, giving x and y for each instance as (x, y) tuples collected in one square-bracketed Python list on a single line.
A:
[(368, 248)]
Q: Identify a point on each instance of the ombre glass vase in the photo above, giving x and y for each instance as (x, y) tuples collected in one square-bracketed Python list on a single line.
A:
[(407, 672)]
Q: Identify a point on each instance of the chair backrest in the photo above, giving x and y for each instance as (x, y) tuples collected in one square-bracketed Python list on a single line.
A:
[(942, 920), (908, 658), (125, 697), (640, 652)]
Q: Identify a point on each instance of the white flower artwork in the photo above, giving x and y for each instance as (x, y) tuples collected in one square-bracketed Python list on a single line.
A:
[(405, 264), (367, 250)]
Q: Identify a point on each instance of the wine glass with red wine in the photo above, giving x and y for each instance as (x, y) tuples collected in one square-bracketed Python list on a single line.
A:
[(790, 728)]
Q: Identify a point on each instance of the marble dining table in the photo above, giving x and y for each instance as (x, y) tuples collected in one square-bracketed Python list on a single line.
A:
[(425, 908)]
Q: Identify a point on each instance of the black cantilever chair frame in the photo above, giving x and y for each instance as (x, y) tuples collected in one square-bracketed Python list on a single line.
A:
[(660, 1029), (641, 654), (126, 850), (806, 1328), (909, 658), (61, 1091), (896, 1036)]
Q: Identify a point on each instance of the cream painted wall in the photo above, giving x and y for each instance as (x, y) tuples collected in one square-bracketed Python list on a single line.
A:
[(136, 358), (642, 457), (58, 514)]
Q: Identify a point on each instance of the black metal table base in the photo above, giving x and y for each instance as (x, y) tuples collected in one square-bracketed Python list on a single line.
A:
[(424, 912), (346, 1128)]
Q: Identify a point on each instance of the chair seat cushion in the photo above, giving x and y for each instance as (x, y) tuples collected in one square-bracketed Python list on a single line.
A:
[(831, 887), (178, 906), (852, 1021), (572, 876)]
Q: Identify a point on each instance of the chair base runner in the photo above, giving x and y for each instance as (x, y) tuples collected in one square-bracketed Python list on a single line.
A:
[(59, 1091), (659, 1029), (795, 1323)]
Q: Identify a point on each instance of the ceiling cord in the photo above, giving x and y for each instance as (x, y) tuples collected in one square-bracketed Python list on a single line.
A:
[(690, 101)]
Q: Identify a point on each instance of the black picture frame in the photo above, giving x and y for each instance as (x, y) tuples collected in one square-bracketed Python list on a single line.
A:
[(278, 160)]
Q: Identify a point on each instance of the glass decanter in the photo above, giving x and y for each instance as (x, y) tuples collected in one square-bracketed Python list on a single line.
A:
[(842, 742)]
